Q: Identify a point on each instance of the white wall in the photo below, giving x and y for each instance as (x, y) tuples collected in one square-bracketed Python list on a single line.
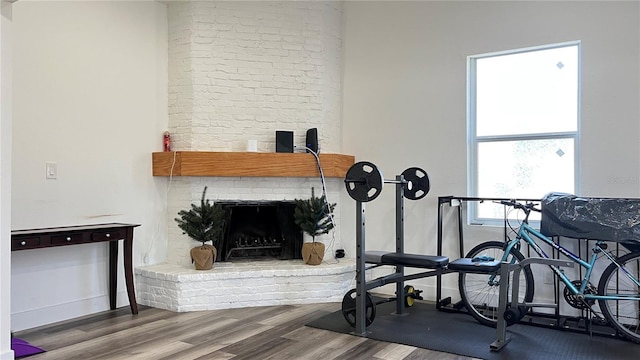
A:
[(404, 98), (6, 43), (90, 85)]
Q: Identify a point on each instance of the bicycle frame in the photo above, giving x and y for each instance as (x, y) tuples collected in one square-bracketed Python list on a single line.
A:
[(529, 234)]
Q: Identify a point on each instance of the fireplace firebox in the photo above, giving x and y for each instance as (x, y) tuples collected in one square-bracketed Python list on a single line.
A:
[(259, 230)]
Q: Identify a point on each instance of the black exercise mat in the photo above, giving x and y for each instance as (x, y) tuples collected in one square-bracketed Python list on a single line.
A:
[(459, 333)]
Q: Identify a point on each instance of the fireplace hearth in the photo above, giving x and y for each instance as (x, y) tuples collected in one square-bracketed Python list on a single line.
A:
[(259, 230)]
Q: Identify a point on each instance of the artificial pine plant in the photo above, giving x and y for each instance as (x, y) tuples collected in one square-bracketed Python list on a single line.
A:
[(202, 222), (313, 215)]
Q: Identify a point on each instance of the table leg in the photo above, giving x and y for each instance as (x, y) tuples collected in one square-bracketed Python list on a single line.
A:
[(113, 273), (128, 270)]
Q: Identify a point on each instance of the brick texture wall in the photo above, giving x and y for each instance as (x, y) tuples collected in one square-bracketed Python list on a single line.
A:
[(234, 285), (242, 70)]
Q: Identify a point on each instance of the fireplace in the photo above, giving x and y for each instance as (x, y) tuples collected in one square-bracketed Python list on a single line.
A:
[(259, 230), (176, 285)]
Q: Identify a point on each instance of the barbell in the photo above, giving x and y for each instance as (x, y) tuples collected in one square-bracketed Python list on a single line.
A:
[(364, 182)]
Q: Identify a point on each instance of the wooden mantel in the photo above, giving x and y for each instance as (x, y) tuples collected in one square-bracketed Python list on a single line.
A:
[(204, 163)]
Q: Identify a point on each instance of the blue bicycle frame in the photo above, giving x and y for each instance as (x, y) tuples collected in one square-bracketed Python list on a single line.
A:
[(527, 233)]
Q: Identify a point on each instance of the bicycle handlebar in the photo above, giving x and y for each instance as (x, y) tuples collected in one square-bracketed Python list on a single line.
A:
[(518, 205)]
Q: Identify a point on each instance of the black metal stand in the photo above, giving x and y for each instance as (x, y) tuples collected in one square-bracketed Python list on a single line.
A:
[(503, 303), (361, 282)]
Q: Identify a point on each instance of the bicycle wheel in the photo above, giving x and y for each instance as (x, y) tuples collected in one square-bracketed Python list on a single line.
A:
[(480, 295), (622, 279)]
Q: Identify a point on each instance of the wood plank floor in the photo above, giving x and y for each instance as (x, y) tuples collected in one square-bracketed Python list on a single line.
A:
[(274, 332)]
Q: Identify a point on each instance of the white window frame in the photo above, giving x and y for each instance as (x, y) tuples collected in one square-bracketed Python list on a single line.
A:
[(473, 140)]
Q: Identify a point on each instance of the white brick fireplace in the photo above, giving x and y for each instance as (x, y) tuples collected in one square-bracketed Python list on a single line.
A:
[(239, 71)]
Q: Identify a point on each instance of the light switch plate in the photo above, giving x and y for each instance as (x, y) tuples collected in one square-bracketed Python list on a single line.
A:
[(51, 170)]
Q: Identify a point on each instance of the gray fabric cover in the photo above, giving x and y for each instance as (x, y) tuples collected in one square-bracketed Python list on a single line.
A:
[(610, 219)]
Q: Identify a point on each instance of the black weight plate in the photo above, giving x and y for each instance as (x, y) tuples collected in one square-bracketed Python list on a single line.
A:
[(512, 315), (417, 185), (363, 181), (349, 308)]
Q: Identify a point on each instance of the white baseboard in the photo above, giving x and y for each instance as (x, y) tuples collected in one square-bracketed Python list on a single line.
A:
[(8, 355), (51, 314)]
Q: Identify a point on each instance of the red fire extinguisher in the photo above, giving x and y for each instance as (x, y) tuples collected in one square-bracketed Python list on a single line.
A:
[(167, 141)]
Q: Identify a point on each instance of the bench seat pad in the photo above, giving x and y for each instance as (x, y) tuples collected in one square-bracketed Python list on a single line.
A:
[(467, 265), (410, 260), (374, 257)]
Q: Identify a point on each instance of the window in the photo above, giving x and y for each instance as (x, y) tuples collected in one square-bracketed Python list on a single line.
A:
[(523, 125)]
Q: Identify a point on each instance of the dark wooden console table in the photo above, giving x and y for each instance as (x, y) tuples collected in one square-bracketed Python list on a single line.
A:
[(87, 234)]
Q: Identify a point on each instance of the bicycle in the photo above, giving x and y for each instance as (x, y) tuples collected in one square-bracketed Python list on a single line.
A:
[(617, 294)]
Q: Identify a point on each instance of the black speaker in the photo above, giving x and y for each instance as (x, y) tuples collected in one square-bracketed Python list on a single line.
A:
[(284, 141), (312, 140)]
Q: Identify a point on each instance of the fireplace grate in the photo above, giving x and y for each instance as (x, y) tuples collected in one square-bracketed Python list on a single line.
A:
[(256, 230)]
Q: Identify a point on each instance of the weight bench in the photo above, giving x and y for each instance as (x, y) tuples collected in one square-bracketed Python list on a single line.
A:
[(430, 262), (365, 306), (361, 179), (433, 265)]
